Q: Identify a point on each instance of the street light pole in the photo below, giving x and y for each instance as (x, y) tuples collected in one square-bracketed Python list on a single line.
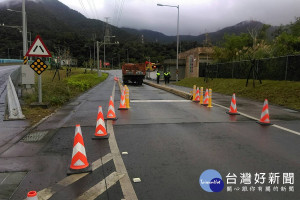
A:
[(177, 45), (177, 37)]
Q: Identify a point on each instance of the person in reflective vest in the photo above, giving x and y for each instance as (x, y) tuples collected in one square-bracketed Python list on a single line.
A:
[(169, 76), (166, 77), (157, 77)]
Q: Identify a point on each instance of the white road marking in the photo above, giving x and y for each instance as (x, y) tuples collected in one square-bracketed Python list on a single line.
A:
[(136, 180), (274, 125), (47, 193), (125, 182), (157, 100), (286, 129), (100, 187)]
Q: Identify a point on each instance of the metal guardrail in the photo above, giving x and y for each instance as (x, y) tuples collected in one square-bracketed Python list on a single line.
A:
[(16, 77), (10, 61)]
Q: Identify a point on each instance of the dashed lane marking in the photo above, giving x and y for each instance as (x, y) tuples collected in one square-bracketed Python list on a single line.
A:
[(274, 125), (101, 187), (47, 193), (125, 182)]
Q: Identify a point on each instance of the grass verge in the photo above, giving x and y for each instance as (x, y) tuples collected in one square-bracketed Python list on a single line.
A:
[(58, 92), (283, 93)]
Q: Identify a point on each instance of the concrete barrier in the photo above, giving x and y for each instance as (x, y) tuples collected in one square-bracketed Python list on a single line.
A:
[(171, 90), (13, 109)]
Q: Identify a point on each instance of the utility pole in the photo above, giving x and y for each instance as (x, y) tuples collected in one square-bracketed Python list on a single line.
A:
[(119, 61), (98, 64), (127, 56), (8, 53), (24, 28), (94, 39), (106, 36)]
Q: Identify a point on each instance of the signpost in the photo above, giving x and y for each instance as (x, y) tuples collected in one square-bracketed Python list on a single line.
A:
[(38, 49)]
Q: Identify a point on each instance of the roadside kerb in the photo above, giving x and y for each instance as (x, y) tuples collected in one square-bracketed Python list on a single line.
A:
[(171, 90)]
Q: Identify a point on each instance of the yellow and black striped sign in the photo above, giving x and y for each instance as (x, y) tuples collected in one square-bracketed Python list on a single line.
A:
[(38, 66), (25, 60)]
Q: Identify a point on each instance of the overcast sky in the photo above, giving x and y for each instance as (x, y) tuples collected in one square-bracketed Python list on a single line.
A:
[(196, 16)]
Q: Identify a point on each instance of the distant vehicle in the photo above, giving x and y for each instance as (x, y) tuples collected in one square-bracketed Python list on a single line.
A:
[(134, 73)]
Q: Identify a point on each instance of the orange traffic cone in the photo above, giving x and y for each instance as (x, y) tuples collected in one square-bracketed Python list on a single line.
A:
[(100, 132), (122, 101), (206, 97), (265, 118), (233, 109), (79, 163), (197, 97), (111, 110), (32, 195)]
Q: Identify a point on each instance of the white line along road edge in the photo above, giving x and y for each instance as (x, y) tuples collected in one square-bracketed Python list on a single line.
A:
[(274, 125), (125, 182)]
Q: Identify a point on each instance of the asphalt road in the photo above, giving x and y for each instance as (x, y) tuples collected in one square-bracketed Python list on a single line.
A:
[(8, 129), (170, 142)]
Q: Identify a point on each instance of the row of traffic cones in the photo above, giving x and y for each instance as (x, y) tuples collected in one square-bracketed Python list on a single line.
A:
[(264, 118), (207, 101), (79, 162), (198, 97)]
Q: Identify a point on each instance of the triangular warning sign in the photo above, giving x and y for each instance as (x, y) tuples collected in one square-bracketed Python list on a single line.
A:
[(38, 48)]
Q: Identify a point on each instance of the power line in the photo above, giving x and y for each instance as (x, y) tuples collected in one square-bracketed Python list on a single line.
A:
[(120, 13), (92, 8), (83, 7), (95, 8), (116, 11)]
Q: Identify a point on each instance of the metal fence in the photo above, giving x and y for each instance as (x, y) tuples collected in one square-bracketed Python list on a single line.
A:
[(278, 68), (10, 61)]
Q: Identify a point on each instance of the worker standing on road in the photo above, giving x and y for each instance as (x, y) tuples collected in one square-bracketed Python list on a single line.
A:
[(169, 76), (157, 77), (166, 77)]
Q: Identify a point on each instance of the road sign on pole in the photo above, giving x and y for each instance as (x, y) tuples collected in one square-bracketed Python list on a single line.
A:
[(38, 48)]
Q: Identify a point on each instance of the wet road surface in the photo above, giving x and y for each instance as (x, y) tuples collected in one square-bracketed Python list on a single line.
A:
[(169, 141), (8, 129)]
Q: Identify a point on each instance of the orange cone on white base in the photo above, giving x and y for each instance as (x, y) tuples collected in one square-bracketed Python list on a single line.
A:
[(79, 163), (264, 117), (205, 101), (111, 115), (122, 101), (197, 96), (233, 108), (100, 132)]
